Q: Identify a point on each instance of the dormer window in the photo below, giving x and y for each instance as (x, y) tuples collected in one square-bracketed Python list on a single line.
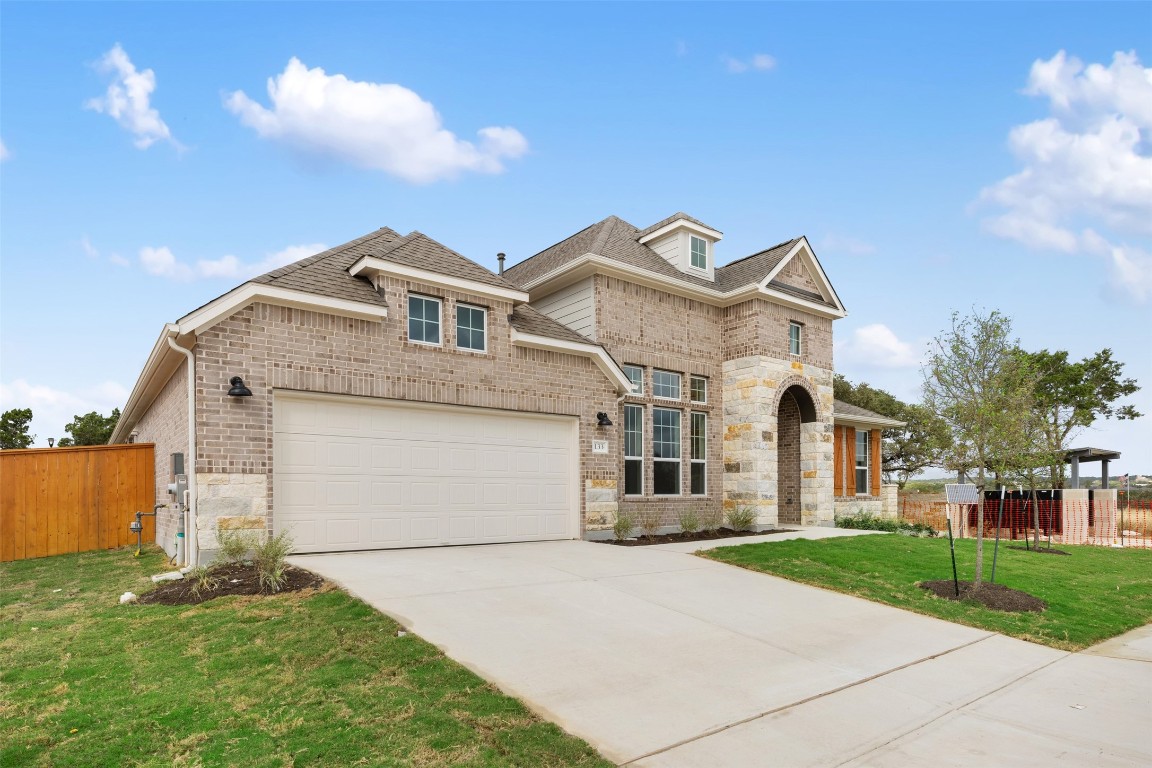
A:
[(699, 252)]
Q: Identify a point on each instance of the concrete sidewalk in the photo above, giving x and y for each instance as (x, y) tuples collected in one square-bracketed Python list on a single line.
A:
[(660, 658)]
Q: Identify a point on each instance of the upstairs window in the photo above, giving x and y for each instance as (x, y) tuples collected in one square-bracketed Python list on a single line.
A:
[(699, 252), (424, 319), (635, 375), (471, 328), (666, 384), (795, 338), (863, 461), (698, 389)]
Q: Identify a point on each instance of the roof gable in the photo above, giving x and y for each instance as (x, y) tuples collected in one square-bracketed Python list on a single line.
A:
[(419, 251)]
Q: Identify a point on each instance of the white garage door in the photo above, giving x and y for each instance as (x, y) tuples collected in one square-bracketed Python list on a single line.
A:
[(363, 473)]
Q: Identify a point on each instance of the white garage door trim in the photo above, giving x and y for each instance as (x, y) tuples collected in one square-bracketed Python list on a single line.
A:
[(354, 473)]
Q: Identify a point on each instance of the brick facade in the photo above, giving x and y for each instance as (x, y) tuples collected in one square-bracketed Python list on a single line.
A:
[(166, 425)]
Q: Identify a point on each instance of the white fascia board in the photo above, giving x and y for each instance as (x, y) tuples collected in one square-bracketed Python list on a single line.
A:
[(787, 299), (376, 266), (802, 247), (680, 224), (147, 385), (868, 423), (602, 359), (220, 308), (591, 263)]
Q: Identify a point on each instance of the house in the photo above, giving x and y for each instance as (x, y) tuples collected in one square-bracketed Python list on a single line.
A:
[(391, 392)]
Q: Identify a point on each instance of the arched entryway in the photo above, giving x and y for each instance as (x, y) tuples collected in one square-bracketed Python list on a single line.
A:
[(796, 408)]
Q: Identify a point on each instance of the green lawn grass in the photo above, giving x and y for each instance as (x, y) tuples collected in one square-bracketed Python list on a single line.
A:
[(1093, 594), (291, 680)]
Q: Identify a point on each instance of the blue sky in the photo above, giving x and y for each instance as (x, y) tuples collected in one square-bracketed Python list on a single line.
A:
[(937, 156)]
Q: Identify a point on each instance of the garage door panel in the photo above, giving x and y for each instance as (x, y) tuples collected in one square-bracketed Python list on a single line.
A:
[(356, 473)]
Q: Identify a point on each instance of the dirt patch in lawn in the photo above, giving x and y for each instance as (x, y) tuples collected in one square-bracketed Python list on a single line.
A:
[(1041, 550), (674, 538), (995, 596), (236, 579)]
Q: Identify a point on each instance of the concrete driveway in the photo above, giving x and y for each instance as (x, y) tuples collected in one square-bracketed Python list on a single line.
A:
[(660, 658)]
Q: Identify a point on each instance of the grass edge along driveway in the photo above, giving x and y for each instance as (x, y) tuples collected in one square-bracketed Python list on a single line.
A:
[(311, 678), (1093, 594)]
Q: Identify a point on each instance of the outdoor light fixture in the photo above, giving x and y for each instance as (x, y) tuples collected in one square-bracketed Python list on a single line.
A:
[(238, 388), (602, 420), (51, 442)]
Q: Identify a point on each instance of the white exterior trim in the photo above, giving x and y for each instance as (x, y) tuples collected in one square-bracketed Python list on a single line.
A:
[(158, 369), (680, 224), (803, 249), (865, 422), (602, 359), (373, 266), (216, 310)]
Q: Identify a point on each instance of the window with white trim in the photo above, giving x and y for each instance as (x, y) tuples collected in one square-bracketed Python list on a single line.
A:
[(665, 452), (698, 389), (795, 338), (635, 375), (423, 319), (666, 384), (698, 252), (699, 454), (633, 450), (863, 460), (471, 328)]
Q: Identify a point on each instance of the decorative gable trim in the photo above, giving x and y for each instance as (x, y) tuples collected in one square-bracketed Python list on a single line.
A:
[(597, 353), (371, 266), (803, 251), (672, 226), (218, 309)]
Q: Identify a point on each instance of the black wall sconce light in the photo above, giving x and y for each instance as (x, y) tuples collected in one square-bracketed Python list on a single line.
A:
[(602, 420), (238, 388)]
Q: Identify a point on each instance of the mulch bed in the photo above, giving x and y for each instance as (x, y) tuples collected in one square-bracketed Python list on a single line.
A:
[(238, 579), (995, 596), (1041, 550), (673, 538)]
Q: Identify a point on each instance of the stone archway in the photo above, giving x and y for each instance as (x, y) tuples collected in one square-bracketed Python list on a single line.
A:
[(795, 407)]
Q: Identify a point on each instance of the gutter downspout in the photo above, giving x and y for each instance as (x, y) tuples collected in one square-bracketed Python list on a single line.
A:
[(191, 543)]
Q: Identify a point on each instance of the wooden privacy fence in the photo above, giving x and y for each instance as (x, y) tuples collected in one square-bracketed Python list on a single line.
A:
[(58, 500)]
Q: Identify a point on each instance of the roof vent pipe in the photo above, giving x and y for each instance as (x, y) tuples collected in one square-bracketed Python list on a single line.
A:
[(500, 259)]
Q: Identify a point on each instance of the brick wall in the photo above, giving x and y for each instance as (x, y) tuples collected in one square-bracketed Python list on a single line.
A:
[(166, 425), (788, 459), (644, 326), (275, 347), (759, 327)]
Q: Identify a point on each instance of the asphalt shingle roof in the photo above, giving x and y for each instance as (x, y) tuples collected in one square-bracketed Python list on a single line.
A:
[(528, 320), (672, 218), (326, 273), (422, 252), (841, 408), (752, 269)]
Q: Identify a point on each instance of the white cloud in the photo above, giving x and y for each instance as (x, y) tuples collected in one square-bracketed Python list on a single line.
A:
[(53, 409), (163, 263), (840, 244), (757, 62), (92, 252), (1086, 179), (4, 154), (378, 126), (877, 346), (127, 100)]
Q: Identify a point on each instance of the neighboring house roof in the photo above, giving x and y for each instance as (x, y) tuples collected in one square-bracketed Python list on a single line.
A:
[(616, 239), (842, 411), (528, 320)]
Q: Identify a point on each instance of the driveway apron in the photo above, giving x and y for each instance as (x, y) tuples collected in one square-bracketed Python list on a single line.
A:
[(658, 657)]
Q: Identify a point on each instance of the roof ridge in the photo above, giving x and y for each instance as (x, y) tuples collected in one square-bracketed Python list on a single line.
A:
[(606, 227), (307, 261), (416, 235)]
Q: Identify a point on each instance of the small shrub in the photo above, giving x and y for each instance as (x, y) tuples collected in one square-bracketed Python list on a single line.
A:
[(624, 526), (711, 519), (202, 579), (741, 518), (689, 520), (865, 521), (269, 556), (234, 545), (649, 521)]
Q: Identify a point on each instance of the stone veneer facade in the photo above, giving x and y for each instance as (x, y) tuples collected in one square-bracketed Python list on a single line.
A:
[(281, 348)]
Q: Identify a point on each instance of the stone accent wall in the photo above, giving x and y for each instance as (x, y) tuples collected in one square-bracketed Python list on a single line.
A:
[(230, 501), (885, 505), (276, 347), (658, 330), (753, 388), (166, 425)]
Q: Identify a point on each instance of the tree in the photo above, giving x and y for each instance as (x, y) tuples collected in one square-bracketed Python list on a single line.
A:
[(905, 450), (1071, 396), (14, 428), (976, 382), (90, 429)]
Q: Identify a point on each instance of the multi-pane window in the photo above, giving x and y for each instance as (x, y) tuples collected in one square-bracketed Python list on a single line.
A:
[(699, 252), (863, 460), (795, 338), (698, 389), (666, 384), (633, 450), (699, 453), (635, 375), (424, 319), (665, 452), (470, 328)]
